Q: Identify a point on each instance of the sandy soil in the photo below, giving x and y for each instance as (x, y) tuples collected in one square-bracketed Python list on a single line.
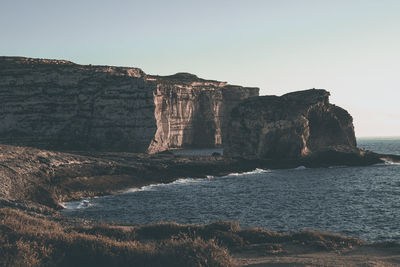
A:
[(369, 255)]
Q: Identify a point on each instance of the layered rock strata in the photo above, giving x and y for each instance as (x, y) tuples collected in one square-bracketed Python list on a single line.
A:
[(61, 105), (190, 112), (292, 126)]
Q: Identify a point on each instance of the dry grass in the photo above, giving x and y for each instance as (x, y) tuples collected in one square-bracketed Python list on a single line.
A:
[(30, 241), (225, 234)]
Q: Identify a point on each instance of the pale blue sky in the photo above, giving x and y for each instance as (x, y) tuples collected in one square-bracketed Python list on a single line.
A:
[(350, 47)]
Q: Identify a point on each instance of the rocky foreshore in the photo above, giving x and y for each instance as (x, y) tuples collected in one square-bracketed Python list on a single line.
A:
[(50, 177), (34, 233)]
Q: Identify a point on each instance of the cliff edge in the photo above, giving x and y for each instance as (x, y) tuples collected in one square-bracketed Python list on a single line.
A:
[(60, 105)]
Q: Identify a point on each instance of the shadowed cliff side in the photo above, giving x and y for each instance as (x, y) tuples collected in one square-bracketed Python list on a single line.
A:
[(293, 126), (60, 105), (56, 104)]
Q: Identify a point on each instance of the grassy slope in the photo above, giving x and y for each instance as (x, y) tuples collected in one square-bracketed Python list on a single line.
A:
[(29, 239)]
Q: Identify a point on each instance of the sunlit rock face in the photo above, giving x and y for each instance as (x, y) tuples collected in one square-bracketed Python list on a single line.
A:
[(57, 104), (291, 126), (190, 112)]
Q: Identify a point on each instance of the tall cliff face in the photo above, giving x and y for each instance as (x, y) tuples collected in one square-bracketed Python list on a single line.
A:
[(292, 126), (190, 112), (61, 105)]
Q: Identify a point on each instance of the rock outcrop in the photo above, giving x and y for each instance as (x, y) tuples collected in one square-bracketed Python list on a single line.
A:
[(190, 112), (293, 126), (57, 104)]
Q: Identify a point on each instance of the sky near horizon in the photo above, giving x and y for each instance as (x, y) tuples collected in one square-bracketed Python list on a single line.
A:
[(349, 47)]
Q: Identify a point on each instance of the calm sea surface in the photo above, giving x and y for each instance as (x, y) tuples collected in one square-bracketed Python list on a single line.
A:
[(358, 201)]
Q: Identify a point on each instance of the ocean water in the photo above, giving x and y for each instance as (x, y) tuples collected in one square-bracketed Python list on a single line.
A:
[(359, 201)]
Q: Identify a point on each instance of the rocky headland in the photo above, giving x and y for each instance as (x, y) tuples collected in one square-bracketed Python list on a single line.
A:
[(69, 131), (301, 127), (294, 125)]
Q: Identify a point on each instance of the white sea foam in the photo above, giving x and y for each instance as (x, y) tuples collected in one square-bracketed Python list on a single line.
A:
[(256, 171), (388, 162), (337, 167), (300, 168), (82, 204), (188, 181), (155, 186), (85, 203)]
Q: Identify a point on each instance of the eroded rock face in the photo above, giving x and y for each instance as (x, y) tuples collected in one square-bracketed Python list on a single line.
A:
[(190, 112), (61, 105), (292, 126)]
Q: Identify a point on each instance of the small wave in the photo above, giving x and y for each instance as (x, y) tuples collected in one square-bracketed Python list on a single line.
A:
[(388, 162), (337, 167), (82, 204), (188, 181), (256, 171), (155, 186), (300, 168)]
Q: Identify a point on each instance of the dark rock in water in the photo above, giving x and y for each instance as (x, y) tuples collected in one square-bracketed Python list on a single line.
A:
[(296, 125), (60, 105), (216, 154)]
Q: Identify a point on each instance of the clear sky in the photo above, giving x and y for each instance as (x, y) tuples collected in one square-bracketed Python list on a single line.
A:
[(350, 47)]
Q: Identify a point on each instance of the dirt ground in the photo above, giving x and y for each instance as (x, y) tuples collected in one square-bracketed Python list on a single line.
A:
[(370, 255)]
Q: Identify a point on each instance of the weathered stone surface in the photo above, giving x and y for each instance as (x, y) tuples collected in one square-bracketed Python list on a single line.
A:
[(61, 105), (292, 126), (190, 111)]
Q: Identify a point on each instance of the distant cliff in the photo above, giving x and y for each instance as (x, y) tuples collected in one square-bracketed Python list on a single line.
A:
[(293, 126), (57, 104)]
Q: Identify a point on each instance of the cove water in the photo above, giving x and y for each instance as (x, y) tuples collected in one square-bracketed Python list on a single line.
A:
[(359, 201)]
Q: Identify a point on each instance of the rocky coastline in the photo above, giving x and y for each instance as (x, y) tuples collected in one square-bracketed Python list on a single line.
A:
[(34, 181), (50, 177), (71, 131)]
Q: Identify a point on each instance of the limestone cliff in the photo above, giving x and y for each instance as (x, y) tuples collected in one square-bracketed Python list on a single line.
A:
[(61, 105), (190, 111), (292, 126)]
